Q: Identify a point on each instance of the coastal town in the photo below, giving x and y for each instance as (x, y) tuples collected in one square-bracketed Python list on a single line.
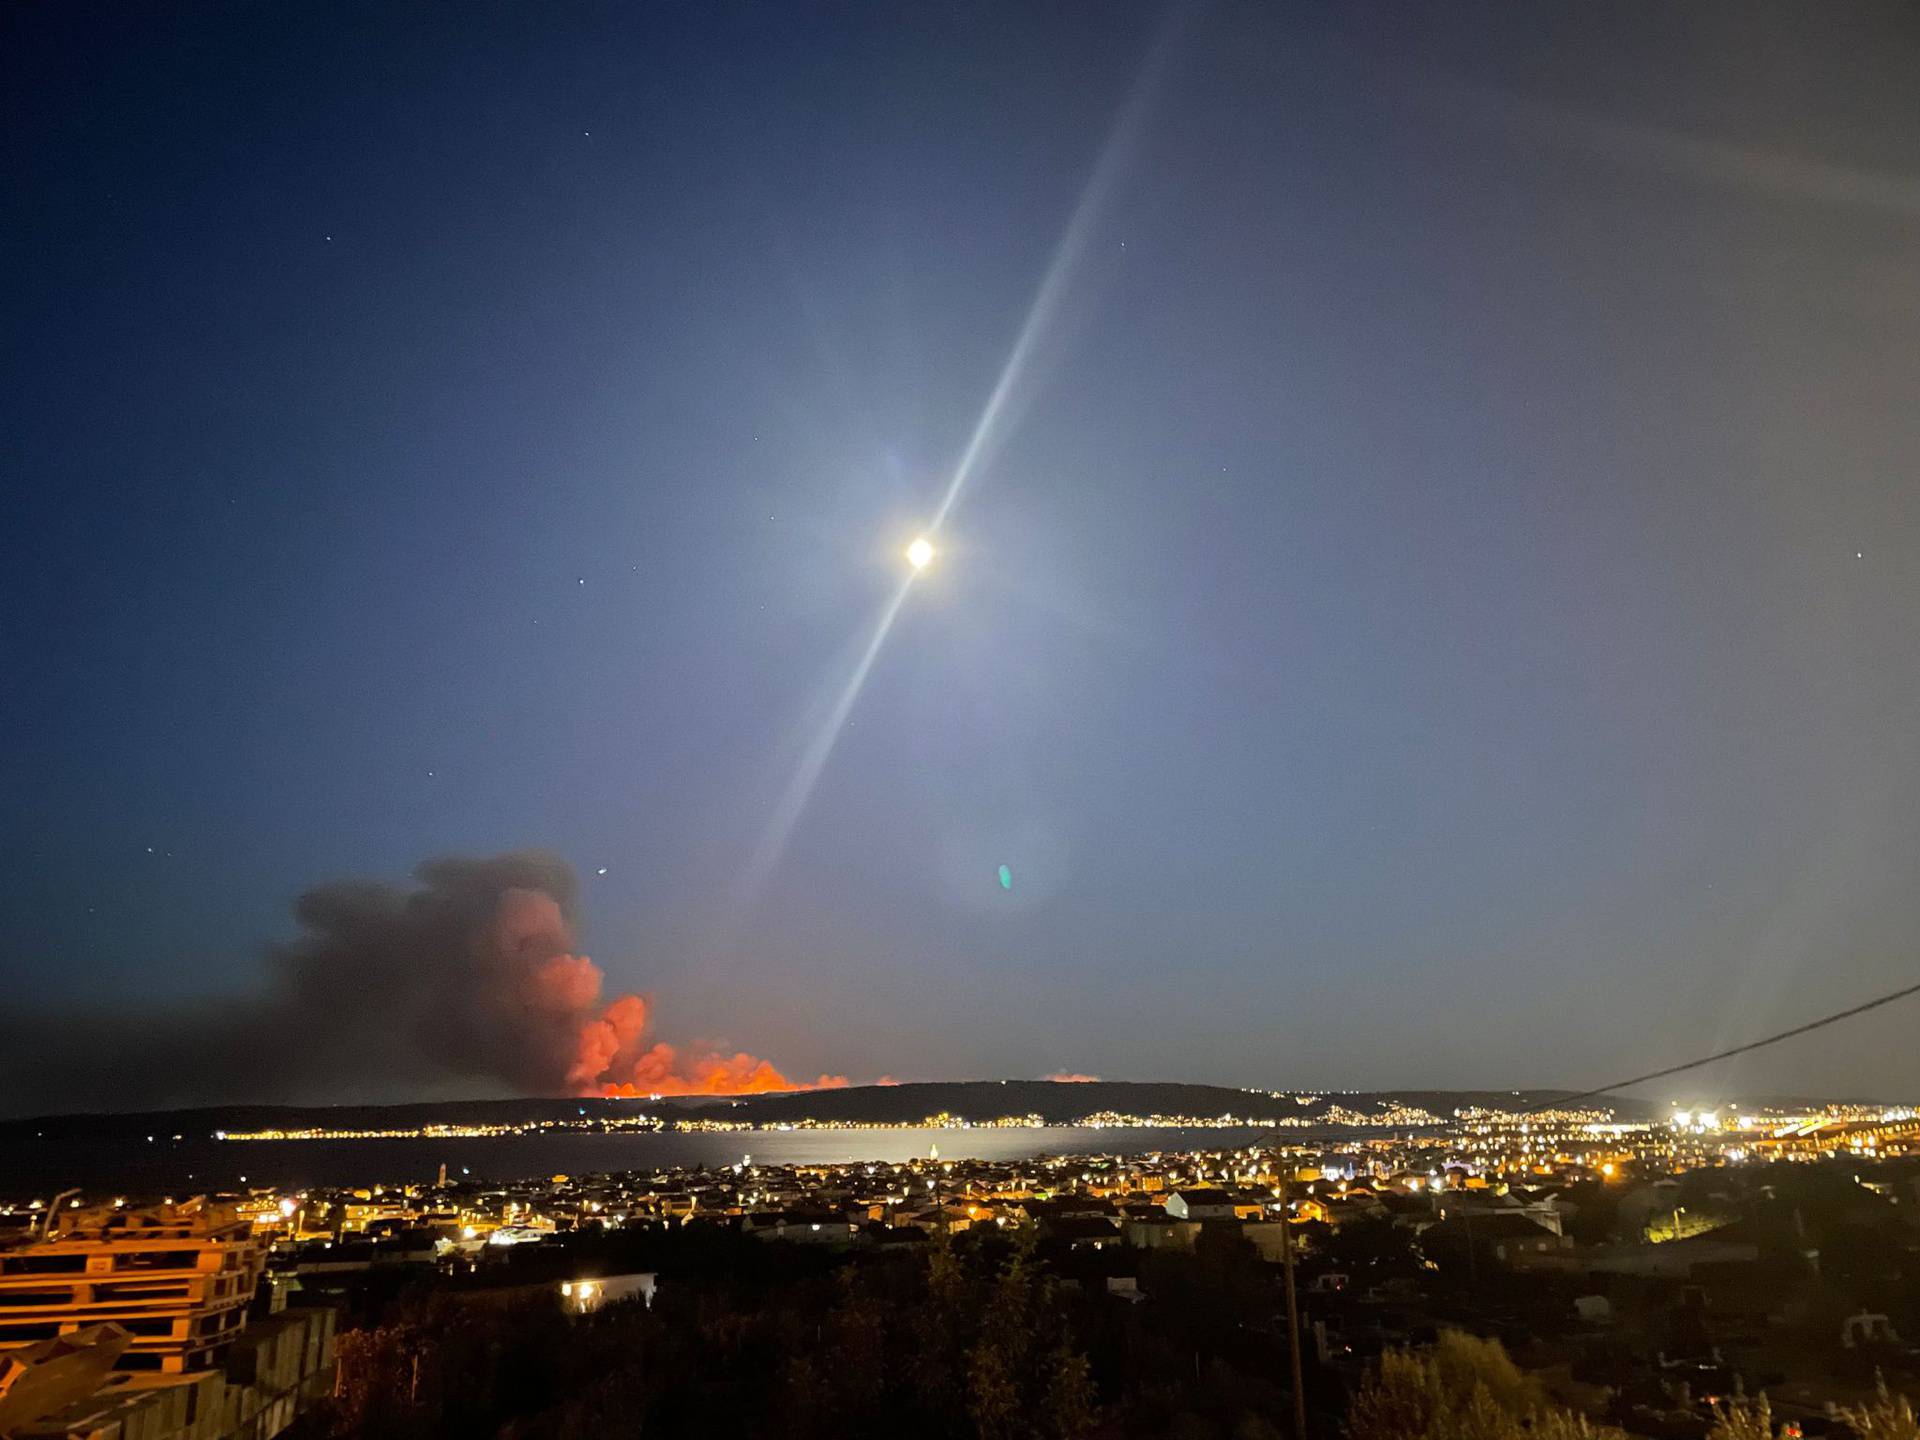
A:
[(1644, 1268)]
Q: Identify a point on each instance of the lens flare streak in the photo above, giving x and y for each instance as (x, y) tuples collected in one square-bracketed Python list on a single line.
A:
[(813, 761), (987, 434)]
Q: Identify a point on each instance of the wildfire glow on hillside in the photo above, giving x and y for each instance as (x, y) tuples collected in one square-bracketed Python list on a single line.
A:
[(614, 1059), (464, 976), (610, 1052)]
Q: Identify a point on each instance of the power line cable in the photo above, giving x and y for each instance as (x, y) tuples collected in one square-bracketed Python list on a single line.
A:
[(1560, 1102), (1811, 1025)]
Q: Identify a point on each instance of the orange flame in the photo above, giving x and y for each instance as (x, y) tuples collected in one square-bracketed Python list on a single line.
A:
[(713, 1074), (612, 1058), (606, 1046)]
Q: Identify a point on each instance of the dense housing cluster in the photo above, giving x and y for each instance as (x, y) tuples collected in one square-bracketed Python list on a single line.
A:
[(1649, 1265)]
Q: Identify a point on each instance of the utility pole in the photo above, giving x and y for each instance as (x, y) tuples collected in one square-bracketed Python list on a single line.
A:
[(1293, 1319)]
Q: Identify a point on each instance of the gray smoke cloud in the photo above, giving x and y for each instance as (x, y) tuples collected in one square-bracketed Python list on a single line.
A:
[(465, 979)]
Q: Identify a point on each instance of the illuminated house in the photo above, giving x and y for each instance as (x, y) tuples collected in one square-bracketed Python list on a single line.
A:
[(1213, 1205), (177, 1278)]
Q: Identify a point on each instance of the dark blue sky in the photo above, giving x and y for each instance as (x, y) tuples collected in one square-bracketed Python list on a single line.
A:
[(1439, 607)]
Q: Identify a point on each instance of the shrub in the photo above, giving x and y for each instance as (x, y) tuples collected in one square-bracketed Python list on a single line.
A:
[(1463, 1389)]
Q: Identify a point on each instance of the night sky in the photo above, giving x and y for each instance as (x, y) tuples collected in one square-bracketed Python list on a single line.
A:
[(1437, 602)]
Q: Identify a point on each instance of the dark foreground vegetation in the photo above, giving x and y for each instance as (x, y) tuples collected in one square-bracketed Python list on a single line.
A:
[(752, 1339), (996, 1334)]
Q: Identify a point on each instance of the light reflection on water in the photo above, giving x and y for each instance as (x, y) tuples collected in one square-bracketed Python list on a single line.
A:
[(187, 1166)]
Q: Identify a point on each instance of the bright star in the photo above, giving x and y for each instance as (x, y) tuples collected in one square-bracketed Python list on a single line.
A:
[(919, 553)]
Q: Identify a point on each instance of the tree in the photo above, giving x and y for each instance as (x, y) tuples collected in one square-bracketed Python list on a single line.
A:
[(1069, 1409), (1372, 1248), (1024, 1365)]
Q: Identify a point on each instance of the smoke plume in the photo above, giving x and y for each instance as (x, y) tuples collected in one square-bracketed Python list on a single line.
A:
[(466, 980)]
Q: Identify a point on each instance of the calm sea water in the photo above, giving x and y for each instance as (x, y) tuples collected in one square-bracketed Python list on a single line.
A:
[(182, 1167)]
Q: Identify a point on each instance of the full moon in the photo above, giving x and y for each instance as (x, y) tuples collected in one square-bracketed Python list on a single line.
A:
[(919, 553)]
